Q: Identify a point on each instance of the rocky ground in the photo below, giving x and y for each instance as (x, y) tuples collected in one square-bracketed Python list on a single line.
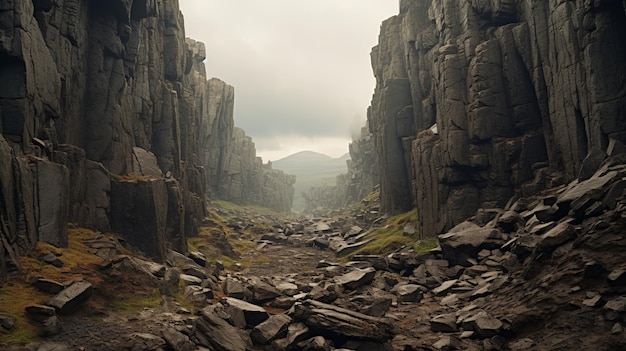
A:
[(545, 273)]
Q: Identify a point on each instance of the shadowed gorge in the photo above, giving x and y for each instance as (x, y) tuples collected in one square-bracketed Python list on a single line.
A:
[(481, 207)]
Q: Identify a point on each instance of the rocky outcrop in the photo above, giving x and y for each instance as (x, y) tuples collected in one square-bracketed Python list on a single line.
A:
[(101, 100), (477, 101), (234, 172)]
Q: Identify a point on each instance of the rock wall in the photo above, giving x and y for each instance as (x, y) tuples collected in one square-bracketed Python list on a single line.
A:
[(517, 93), (363, 169), (234, 172), (99, 100)]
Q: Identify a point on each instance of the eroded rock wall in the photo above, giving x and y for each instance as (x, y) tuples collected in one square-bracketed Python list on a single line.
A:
[(99, 100), (519, 92), (363, 169)]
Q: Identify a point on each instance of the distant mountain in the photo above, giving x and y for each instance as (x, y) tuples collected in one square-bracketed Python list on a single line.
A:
[(311, 168)]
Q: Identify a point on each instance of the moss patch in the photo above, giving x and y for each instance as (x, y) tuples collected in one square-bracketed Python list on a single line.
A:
[(390, 237), (137, 302)]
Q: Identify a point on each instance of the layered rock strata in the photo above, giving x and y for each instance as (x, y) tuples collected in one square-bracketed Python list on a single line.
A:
[(477, 101)]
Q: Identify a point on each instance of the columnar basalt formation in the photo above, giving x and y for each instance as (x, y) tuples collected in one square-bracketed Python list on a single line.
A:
[(477, 101), (100, 101)]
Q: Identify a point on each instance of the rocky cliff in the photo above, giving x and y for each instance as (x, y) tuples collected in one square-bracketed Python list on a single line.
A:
[(478, 101), (363, 168), (108, 121), (235, 173)]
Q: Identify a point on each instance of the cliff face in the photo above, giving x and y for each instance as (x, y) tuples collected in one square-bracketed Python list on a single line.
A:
[(519, 92), (363, 168), (234, 172), (107, 121)]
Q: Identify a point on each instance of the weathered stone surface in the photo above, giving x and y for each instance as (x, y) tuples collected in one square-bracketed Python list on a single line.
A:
[(215, 333), (139, 213), (177, 340), (71, 297), (296, 332), (445, 323), (48, 285), (556, 236), (408, 292), (460, 245), (483, 324), (468, 108), (262, 291), (356, 278), (234, 288), (244, 314), (339, 321), (375, 306), (275, 327)]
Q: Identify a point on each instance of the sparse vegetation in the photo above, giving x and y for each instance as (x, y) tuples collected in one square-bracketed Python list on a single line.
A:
[(424, 245), (390, 237), (137, 302)]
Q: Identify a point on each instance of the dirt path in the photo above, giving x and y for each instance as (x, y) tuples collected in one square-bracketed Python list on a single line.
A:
[(280, 260)]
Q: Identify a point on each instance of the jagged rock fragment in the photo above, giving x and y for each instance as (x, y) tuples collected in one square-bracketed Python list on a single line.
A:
[(275, 327), (244, 314), (215, 333)]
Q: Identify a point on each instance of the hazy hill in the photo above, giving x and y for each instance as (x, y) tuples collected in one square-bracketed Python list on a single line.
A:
[(311, 168)]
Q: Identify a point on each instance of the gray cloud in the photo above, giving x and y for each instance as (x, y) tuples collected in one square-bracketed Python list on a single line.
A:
[(301, 69)]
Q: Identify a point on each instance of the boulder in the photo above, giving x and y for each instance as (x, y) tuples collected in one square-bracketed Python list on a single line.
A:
[(177, 340), (356, 278), (460, 246), (559, 235), (48, 285), (408, 292), (215, 333), (198, 258), (71, 297), (234, 288), (448, 343), (243, 314), (296, 332), (444, 323), (375, 306), (262, 291), (483, 324), (275, 327), (342, 322)]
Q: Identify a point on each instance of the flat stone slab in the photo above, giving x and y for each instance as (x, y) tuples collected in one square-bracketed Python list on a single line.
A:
[(71, 297)]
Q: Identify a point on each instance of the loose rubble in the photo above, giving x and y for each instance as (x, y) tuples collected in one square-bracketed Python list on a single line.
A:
[(533, 271)]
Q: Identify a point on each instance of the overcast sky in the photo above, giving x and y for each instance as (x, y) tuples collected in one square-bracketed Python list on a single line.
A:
[(301, 69)]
